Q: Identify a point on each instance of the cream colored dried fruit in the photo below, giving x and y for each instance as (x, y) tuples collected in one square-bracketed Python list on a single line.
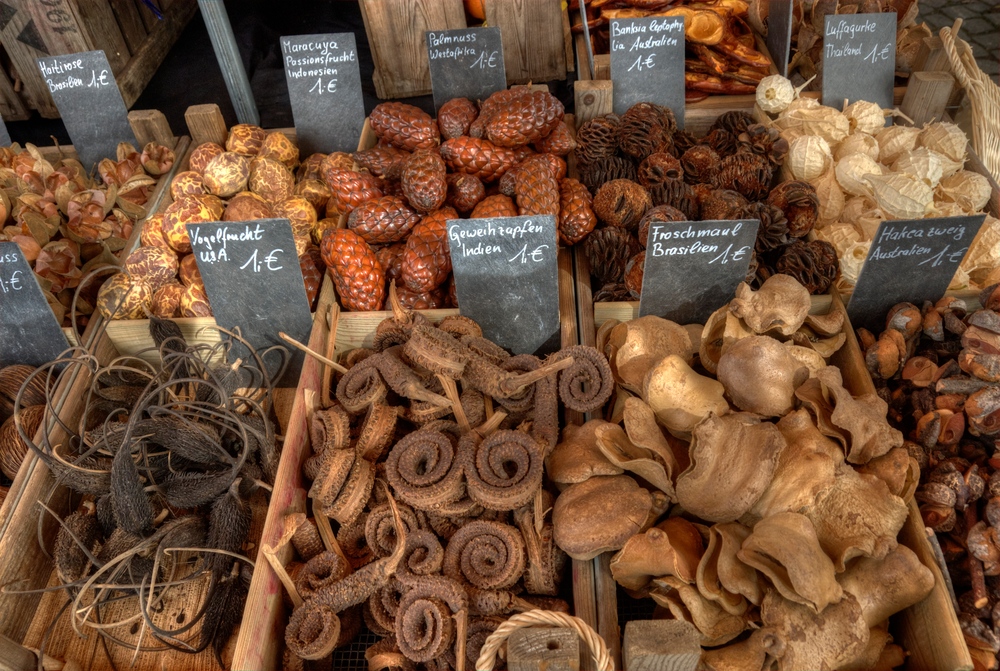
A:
[(831, 197), (864, 116), (809, 157), (826, 122), (902, 197), (857, 143), (970, 190), (852, 259), (895, 141), (984, 252), (851, 173), (944, 138), (774, 94), (922, 163)]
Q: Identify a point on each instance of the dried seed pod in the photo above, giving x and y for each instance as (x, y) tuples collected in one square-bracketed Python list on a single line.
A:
[(923, 164), (621, 203), (608, 250), (12, 448), (487, 555), (133, 510), (606, 169), (802, 118), (799, 202), (970, 190), (900, 196), (945, 138), (733, 122), (422, 470), (699, 163), (894, 141), (503, 471), (809, 157), (597, 138), (857, 143), (455, 117), (865, 116), (723, 204), (643, 129), (746, 173), (774, 93), (831, 198), (576, 213), (80, 528), (659, 167)]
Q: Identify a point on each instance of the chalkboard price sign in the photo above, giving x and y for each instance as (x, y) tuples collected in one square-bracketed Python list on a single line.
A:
[(859, 58), (465, 63), (5, 140), (253, 281), (28, 330), (324, 87), (693, 267), (647, 63), (779, 33), (910, 260), (507, 279), (90, 104)]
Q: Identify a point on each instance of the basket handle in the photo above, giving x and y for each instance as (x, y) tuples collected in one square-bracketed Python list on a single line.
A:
[(544, 618), (949, 39)]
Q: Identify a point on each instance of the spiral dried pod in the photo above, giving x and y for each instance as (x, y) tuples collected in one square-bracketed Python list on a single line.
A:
[(502, 471), (422, 470), (487, 555), (425, 628)]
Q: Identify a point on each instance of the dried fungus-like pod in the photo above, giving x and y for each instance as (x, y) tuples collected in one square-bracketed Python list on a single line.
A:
[(841, 632), (585, 526), (782, 304), (637, 344), (673, 547), (883, 587), (680, 397), (576, 457), (685, 602), (761, 376), (615, 444), (724, 578)]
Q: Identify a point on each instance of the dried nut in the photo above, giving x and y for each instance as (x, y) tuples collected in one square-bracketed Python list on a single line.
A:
[(905, 318), (919, 371)]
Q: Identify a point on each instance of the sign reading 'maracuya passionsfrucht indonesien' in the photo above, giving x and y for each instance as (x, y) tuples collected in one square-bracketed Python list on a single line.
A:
[(909, 260), (647, 63), (90, 104), (507, 279), (253, 281), (28, 330), (693, 267), (779, 33), (324, 88), (465, 63), (859, 58)]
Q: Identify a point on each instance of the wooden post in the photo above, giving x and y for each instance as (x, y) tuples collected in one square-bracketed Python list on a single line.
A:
[(230, 61), (927, 96), (602, 66), (931, 56), (661, 645), (14, 657), (205, 124), (151, 126), (593, 99), (606, 590), (585, 600), (543, 649)]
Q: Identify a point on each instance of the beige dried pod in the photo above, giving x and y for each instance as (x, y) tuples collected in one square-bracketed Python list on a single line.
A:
[(857, 143), (851, 172), (947, 208), (948, 166), (852, 260), (895, 141), (800, 104), (826, 122), (809, 157), (774, 93), (961, 280), (969, 189), (944, 138), (831, 197), (856, 207), (921, 163), (841, 235), (864, 116), (902, 197), (984, 252)]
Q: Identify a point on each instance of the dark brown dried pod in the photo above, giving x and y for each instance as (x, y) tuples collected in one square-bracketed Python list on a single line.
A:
[(608, 250), (799, 202), (425, 626), (361, 386), (190, 489), (633, 274), (683, 140), (378, 431), (734, 122), (424, 554), (760, 139), (814, 264), (350, 503), (307, 540), (382, 161), (660, 214), (605, 169), (486, 555), (423, 471), (460, 326), (596, 139), (319, 572), (747, 173), (773, 230), (503, 471), (659, 167), (228, 528), (380, 529), (644, 128), (700, 163), (354, 544), (436, 351), (588, 383), (79, 532), (12, 378), (621, 203), (678, 195), (133, 510), (329, 428), (722, 141), (465, 191), (723, 204)]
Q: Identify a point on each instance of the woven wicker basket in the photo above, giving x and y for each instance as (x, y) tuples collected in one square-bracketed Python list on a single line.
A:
[(984, 96)]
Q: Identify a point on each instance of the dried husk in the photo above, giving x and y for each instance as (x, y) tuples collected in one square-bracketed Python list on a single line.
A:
[(722, 329), (644, 432), (774, 94), (781, 305), (922, 163), (616, 446), (944, 138), (809, 157), (760, 376), (864, 116), (901, 197), (894, 141), (576, 457), (837, 635), (852, 170), (634, 346), (585, 525), (852, 260), (825, 122), (831, 197), (970, 190), (857, 143), (984, 252), (722, 576), (883, 587)]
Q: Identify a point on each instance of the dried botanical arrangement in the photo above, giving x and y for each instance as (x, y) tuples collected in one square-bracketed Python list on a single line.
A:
[(171, 466), (866, 172), (642, 170), (722, 55), (938, 367), (33, 398), (68, 223), (250, 178), (502, 158), (754, 496), (429, 513)]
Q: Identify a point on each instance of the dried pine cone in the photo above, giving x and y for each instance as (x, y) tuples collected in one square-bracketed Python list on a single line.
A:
[(722, 141), (765, 141), (773, 231), (677, 194), (735, 122), (621, 203), (700, 163), (608, 250), (723, 204), (576, 213), (606, 169), (749, 174), (596, 139), (613, 292), (799, 202), (814, 264), (658, 168), (644, 129), (455, 117), (658, 215)]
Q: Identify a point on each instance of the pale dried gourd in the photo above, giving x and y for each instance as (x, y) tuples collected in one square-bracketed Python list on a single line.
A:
[(921, 163), (809, 157), (895, 141), (857, 143), (857, 207), (944, 138), (774, 94), (902, 197), (826, 122), (841, 235), (800, 104), (852, 260), (851, 173), (831, 197), (864, 116), (948, 166), (969, 189)]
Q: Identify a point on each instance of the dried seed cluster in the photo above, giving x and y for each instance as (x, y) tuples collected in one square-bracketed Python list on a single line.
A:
[(68, 224)]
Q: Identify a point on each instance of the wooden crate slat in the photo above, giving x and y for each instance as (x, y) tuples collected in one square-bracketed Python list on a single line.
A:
[(102, 32), (147, 59), (130, 22), (12, 106), (534, 44), (17, 37)]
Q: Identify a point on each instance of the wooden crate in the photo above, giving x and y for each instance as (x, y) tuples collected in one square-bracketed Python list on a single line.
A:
[(133, 39), (535, 33)]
